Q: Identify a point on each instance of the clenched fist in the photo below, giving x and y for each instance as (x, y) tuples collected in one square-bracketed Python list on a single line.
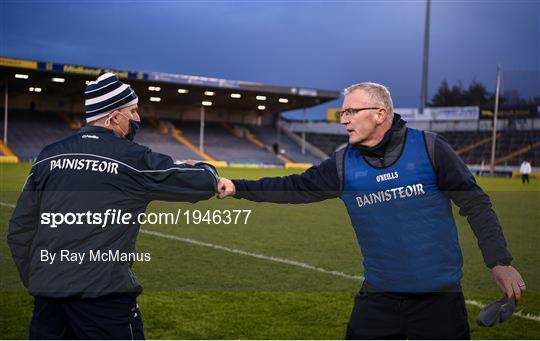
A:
[(225, 188)]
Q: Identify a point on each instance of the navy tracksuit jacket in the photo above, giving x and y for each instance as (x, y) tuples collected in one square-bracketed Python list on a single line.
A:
[(94, 171)]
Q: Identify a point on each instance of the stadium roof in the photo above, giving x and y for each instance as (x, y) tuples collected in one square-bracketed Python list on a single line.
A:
[(176, 89)]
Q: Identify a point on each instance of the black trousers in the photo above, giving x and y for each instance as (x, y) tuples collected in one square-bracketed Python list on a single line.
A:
[(111, 317), (524, 178), (379, 315)]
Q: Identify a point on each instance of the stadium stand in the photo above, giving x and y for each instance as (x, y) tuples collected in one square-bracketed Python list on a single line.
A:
[(518, 145), (238, 129), (292, 150), (30, 131), (510, 145), (5, 150), (162, 142), (220, 144), (473, 146), (328, 143), (223, 145), (184, 98)]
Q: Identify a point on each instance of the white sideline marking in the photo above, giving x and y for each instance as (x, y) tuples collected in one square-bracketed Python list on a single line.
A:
[(255, 255), (527, 316)]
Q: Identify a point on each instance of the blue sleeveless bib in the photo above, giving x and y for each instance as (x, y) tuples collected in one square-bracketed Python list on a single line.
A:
[(403, 223)]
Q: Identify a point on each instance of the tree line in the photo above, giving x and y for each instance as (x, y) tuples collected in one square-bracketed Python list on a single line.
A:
[(475, 95)]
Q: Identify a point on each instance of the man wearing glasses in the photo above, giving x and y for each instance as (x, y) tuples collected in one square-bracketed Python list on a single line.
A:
[(397, 184)]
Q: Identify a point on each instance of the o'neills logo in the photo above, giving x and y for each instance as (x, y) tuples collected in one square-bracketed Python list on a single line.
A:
[(85, 164), (387, 176)]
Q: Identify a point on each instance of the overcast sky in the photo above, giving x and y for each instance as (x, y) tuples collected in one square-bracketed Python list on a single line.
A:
[(320, 44)]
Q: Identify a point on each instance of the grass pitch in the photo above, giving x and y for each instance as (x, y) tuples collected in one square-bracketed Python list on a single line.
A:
[(204, 282)]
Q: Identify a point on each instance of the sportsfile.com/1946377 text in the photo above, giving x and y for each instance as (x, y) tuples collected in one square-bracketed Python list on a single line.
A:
[(118, 217)]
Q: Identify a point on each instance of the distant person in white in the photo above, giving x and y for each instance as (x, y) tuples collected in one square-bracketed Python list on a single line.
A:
[(525, 170), (482, 168)]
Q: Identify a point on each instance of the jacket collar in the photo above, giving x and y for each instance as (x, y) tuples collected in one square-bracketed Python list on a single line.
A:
[(95, 129), (390, 138)]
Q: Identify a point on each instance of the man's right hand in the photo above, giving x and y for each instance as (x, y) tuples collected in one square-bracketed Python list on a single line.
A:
[(225, 188)]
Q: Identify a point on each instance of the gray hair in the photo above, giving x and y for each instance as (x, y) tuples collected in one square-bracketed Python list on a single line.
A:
[(378, 95)]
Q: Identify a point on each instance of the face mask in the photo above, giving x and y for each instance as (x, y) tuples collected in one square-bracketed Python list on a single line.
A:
[(133, 126)]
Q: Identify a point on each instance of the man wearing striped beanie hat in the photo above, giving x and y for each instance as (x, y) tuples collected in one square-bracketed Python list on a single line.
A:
[(96, 173), (112, 104)]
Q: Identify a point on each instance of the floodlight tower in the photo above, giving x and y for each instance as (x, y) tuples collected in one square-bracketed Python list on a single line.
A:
[(425, 64)]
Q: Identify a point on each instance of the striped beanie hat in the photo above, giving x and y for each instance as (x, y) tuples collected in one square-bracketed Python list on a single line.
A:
[(106, 94)]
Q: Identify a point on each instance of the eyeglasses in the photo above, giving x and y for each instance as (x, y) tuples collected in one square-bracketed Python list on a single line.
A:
[(351, 111)]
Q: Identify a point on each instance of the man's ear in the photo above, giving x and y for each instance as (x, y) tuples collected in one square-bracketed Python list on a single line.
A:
[(114, 116), (382, 114)]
